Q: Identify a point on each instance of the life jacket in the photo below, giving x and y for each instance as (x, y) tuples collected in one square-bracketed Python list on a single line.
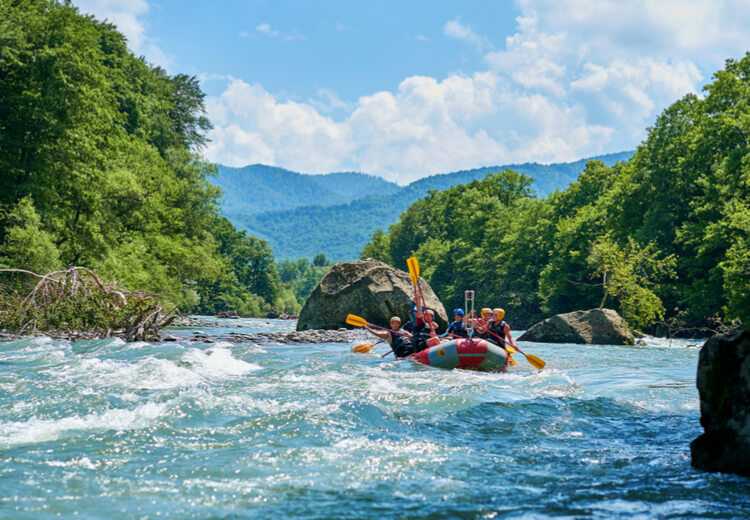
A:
[(401, 344), (420, 333), (482, 334), (458, 329), (497, 332)]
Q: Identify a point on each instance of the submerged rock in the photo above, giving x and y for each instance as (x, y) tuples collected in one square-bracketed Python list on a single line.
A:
[(371, 289), (724, 387), (596, 326)]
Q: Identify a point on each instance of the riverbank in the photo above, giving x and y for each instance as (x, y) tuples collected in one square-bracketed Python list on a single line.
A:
[(192, 329)]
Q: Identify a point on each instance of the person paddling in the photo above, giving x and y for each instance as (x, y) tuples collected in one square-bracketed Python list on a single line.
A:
[(398, 338), (499, 329), (482, 324), (457, 328), (422, 329)]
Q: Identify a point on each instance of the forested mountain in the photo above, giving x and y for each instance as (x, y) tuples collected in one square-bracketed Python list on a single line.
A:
[(664, 237), (259, 188), (100, 167), (303, 228)]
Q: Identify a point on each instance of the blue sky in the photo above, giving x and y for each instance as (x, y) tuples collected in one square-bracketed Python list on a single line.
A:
[(407, 89)]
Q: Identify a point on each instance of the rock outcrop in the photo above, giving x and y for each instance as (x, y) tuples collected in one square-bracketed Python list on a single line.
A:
[(368, 288), (724, 388), (596, 326)]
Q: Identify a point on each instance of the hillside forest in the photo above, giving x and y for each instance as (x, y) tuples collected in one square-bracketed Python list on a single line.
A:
[(338, 212), (664, 237), (100, 166)]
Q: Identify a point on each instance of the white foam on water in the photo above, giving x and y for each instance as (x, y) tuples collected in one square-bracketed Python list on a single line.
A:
[(43, 430), (148, 373), (83, 462), (118, 342), (41, 340), (218, 362), (151, 373)]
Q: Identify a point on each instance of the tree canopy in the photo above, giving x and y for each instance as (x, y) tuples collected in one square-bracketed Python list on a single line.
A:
[(661, 236), (100, 167)]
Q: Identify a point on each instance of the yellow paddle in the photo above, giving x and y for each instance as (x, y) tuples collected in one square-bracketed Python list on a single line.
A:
[(414, 272), (356, 321), (413, 265), (535, 361), (364, 348)]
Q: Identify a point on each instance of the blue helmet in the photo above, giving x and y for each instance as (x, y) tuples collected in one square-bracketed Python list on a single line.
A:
[(458, 311)]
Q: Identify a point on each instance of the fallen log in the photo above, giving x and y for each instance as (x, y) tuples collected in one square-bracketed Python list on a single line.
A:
[(76, 300)]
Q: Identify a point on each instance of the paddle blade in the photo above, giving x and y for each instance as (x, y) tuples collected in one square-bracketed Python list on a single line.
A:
[(413, 265), (512, 362), (535, 361), (363, 348), (355, 321), (510, 349)]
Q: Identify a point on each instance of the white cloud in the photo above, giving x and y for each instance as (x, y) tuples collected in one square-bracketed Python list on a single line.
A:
[(577, 78), (265, 29), (127, 16), (327, 101), (455, 29), (424, 127)]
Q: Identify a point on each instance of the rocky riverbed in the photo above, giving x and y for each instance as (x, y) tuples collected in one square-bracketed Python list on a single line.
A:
[(193, 329)]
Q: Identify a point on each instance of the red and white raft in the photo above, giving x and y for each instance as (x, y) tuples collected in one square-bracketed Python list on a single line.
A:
[(471, 354)]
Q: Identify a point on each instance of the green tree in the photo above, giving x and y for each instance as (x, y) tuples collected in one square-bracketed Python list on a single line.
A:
[(378, 248), (320, 260), (107, 146), (27, 245), (628, 275)]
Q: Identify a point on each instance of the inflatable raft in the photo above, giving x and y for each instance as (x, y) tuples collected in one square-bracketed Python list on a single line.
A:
[(475, 354)]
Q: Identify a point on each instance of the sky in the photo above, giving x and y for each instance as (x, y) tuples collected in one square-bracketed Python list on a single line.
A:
[(408, 89)]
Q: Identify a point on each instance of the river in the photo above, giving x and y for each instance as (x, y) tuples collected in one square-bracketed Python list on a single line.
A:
[(106, 429)]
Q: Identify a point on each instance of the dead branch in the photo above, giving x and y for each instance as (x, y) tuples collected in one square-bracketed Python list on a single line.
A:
[(139, 314)]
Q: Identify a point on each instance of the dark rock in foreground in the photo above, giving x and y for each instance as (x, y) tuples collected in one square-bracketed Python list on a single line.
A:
[(371, 289), (596, 326), (724, 387)]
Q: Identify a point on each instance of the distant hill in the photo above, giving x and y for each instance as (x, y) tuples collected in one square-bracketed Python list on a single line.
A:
[(336, 214), (259, 188)]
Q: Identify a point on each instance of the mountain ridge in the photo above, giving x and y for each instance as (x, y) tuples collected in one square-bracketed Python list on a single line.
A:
[(340, 223)]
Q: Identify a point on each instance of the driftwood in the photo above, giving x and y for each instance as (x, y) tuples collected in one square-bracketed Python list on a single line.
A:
[(109, 310)]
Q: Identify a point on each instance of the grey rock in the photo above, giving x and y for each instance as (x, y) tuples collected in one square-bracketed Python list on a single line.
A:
[(723, 382), (595, 326), (368, 288)]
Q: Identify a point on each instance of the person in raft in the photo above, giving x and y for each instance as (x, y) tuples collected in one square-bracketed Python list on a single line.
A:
[(457, 328), (482, 324), (422, 327), (399, 339), (499, 329)]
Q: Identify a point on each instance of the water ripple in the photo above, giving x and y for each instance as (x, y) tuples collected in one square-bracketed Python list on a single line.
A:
[(109, 429)]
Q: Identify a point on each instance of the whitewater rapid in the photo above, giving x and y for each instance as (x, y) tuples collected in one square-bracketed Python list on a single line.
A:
[(107, 429)]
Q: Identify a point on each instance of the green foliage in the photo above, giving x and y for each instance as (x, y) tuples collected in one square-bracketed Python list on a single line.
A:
[(301, 276), (301, 215), (378, 248), (27, 245), (663, 236), (736, 266), (106, 146), (628, 275), (76, 301)]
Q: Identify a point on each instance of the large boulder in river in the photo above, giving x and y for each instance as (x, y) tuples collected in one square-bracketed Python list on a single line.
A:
[(724, 388), (368, 288), (596, 326)]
